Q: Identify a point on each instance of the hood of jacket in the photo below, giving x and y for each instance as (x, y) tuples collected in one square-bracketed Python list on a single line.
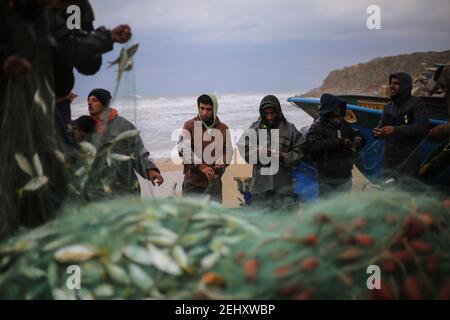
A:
[(215, 111), (328, 102), (405, 86), (271, 101)]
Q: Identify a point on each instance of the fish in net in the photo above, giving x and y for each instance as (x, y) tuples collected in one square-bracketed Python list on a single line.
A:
[(192, 249)]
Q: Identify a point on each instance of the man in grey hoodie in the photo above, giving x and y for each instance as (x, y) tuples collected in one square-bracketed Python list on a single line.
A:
[(274, 190)]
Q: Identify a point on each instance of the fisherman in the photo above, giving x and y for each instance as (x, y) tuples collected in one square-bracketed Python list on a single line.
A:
[(133, 155), (272, 185), (27, 44), (81, 49), (83, 128), (31, 44), (404, 124), (442, 78), (439, 158), (332, 144), (206, 149)]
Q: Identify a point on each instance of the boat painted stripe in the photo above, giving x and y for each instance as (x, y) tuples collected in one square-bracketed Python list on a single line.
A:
[(316, 101)]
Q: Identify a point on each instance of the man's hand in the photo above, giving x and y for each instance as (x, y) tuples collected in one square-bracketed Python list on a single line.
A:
[(155, 177), (218, 167), (122, 33), (376, 132), (383, 132), (208, 172), (347, 143), (273, 153), (72, 97), (357, 142), (438, 131), (15, 66)]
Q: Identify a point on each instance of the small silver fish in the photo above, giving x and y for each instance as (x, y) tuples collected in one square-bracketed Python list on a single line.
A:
[(163, 261), (210, 260), (24, 164), (88, 149), (75, 253), (39, 101), (38, 165), (121, 157), (180, 257), (139, 277), (117, 273), (35, 183), (138, 255), (126, 135), (130, 52), (60, 156)]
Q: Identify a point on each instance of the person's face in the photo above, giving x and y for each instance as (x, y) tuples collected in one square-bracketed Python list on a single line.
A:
[(270, 115), (394, 87), (80, 136), (206, 112), (95, 106), (336, 113)]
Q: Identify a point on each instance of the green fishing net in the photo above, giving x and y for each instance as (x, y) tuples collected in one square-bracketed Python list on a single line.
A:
[(192, 249), (123, 248), (32, 184), (40, 173)]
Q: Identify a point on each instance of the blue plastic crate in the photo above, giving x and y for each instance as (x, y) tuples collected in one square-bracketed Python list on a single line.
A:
[(306, 187)]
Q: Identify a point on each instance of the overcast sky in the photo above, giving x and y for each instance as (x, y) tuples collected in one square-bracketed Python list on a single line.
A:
[(233, 46)]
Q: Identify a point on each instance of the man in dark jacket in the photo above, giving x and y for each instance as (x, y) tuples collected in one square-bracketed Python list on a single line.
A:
[(272, 184), (81, 49), (203, 169), (404, 124), (332, 144), (26, 116), (127, 155), (443, 81)]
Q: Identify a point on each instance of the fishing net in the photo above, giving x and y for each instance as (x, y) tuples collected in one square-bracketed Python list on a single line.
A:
[(32, 186), (187, 248), (192, 249), (40, 172)]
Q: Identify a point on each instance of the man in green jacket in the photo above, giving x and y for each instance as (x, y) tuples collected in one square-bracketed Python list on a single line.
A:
[(131, 155)]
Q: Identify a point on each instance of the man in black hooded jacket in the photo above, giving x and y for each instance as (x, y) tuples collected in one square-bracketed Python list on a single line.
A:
[(81, 49), (404, 123), (332, 143), (442, 78)]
